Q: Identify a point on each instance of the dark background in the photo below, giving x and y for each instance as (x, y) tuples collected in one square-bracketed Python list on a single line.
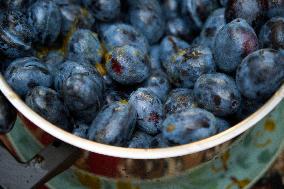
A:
[(274, 178)]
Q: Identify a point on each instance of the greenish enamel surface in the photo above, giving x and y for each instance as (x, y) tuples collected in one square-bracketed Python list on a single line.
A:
[(248, 159), (23, 142), (65, 180)]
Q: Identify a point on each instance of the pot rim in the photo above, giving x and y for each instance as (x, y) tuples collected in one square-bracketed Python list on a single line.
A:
[(122, 152)]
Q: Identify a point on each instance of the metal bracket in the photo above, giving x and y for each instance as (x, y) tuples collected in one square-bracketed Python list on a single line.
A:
[(52, 160)]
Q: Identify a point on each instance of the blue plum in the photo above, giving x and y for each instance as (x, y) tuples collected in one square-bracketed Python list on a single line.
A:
[(192, 125), (149, 109), (272, 33), (119, 34), (198, 41), (198, 11), (104, 10), (223, 2), (253, 11), (82, 94), (171, 8), (17, 4), (114, 124), (53, 59), (234, 42), (67, 2), (25, 73), (260, 74), (16, 34), (159, 84), (180, 100), (154, 55), (140, 140), (85, 46), (146, 15), (81, 130), (179, 27), (276, 9), (127, 65), (221, 125), (113, 95), (159, 142), (46, 102), (74, 16), (248, 107), (188, 64), (170, 45), (68, 68), (211, 27), (217, 93), (45, 19)]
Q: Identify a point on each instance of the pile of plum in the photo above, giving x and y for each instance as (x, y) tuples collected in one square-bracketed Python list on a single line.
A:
[(142, 73)]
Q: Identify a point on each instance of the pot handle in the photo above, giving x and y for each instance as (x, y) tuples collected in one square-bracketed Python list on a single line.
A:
[(51, 161)]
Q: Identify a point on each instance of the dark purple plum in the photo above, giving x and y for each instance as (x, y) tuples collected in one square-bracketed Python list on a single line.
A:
[(169, 46), (104, 10), (159, 84), (187, 65), (212, 26), (140, 140), (127, 65), (46, 19), (234, 42), (272, 33), (276, 8), (198, 11), (146, 15), (180, 100), (159, 142), (171, 8), (74, 16), (253, 11), (26, 73), (260, 74), (217, 93), (192, 125), (84, 45), (114, 125), (68, 68), (82, 94), (154, 56), (180, 27), (221, 125), (47, 103), (149, 109), (120, 34), (16, 35)]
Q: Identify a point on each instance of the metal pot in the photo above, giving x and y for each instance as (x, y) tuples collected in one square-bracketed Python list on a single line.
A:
[(216, 162)]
